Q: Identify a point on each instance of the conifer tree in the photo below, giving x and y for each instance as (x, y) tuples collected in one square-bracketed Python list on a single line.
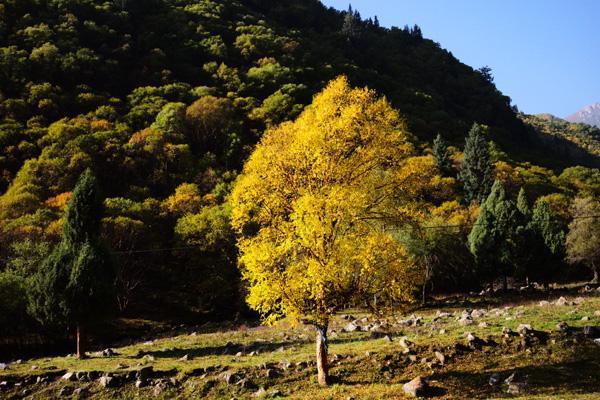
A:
[(441, 155), (492, 239), (548, 246), (477, 171), (75, 284)]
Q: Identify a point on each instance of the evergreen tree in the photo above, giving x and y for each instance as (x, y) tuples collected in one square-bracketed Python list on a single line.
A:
[(524, 237), (492, 239), (352, 20), (477, 170), (548, 245), (441, 155), (75, 284)]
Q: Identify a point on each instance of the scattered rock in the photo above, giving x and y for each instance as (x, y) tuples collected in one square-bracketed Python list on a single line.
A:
[(351, 327), (121, 366), (108, 353), (495, 379), (271, 374), (144, 373), (184, 358), (483, 324), (79, 392), (562, 302), (597, 313), (585, 318), (441, 357), (517, 382), (159, 388), (597, 341), (69, 376), (465, 321), (140, 383), (107, 381), (3, 367), (544, 303), (64, 391), (417, 387), (524, 329)]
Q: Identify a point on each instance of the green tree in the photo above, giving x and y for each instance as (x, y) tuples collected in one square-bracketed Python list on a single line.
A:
[(548, 245), (75, 284), (441, 155), (477, 170), (492, 239), (583, 239)]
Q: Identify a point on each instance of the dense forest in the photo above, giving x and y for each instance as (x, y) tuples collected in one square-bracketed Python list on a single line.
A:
[(164, 100)]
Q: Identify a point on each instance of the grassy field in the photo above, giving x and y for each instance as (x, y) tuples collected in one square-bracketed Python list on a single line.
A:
[(278, 362)]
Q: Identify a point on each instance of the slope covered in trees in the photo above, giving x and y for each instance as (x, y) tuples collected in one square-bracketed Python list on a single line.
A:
[(166, 99)]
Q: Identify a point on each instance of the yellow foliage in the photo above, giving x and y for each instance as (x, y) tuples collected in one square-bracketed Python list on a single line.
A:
[(60, 201), (185, 200), (318, 202)]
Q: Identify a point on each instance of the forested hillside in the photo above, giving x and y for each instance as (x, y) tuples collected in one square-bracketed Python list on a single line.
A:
[(165, 99)]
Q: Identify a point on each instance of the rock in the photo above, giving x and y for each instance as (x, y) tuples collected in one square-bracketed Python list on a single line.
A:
[(184, 358), (516, 388), (260, 393), (108, 353), (562, 302), (585, 318), (442, 332), (404, 342), (597, 341), (69, 376), (149, 357), (140, 383), (79, 392), (597, 313), (544, 303), (229, 377), (271, 374), (159, 388), (107, 381), (441, 357), (495, 379), (65, 391), (412, 358), (351, 327), (3, 367), (246, 384), (417, 387), (562, 327), (483, 324), (524, 329), (148, 343), (465, 321), (516, 377), (121, 366)]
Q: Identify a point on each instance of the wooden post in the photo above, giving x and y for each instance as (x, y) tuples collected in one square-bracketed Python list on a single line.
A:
[(322, 361), (80, 350)]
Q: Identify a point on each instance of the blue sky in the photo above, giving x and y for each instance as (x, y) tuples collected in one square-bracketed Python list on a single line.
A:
[(545, 54)]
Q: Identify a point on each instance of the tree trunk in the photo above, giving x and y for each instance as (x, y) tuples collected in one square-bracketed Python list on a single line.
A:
[(505, 284), (322, 362), (596, 278), (80, 344)]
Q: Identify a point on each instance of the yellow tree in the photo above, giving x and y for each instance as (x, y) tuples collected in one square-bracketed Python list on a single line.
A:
[(316, 207)]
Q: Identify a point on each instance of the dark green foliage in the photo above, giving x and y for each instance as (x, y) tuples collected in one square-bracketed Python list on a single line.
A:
[(477, 171), (75, 284), (441, 155), (492, 240), (548, 244)]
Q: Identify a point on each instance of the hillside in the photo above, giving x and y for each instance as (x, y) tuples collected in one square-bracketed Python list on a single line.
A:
[(589, 115), (166, 99)]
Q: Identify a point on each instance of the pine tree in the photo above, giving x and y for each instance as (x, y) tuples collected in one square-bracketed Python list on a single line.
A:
[(477, 170), (492, 239), (75, 284), (548, 246), (441, 155), (352, 20), (524, 257)]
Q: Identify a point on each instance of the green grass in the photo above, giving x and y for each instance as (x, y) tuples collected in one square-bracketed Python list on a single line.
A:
[(366, 368)]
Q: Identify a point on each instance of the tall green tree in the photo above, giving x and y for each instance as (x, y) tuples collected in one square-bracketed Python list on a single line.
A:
[(583, 239), (492, 239), (75, 284), (477, 170), (441, 155), (548, 246)]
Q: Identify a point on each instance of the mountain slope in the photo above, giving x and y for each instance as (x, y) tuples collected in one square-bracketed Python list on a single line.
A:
[(589, 115), (165, 99)]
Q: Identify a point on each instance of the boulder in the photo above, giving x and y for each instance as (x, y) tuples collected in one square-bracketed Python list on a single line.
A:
[(69, 376), (159, 388), (441, 357), (562, 302), (184, 358), (417, 387), (516, 382), (108, 353), (597, 341), (465, 321), (544, 303), (351, 327), (524, 329), (495, 379), (107, 381)]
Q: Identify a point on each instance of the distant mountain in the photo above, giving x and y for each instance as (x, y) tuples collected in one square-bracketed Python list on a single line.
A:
[(588, 115)]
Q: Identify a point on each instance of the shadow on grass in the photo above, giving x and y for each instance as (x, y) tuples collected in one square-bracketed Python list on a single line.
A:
[(574, 377), (233, 348)]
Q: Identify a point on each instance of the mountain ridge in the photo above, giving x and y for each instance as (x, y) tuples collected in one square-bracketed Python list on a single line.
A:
[(589, 114)]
